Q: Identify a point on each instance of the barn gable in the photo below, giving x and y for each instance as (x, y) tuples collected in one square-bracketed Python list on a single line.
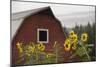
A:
[(20, 16), (46, 11), (32, 23)]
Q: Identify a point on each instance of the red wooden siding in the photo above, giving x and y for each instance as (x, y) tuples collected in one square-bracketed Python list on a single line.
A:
[(28, 32)]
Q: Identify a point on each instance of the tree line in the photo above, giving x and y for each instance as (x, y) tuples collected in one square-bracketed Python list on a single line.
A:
[(90, 29)]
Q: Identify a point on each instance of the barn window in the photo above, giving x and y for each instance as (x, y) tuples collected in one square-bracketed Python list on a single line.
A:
[(42, 35)]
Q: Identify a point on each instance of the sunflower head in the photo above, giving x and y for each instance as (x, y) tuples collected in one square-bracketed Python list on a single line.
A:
[(67, 44), (71, 33), (31, 48), (41, 47), (19, 44), (19, 47), (75, 37), (74, 45), (84, 37), (74, 41)]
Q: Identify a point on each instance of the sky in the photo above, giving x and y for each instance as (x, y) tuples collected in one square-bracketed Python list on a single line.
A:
[(69, 15)]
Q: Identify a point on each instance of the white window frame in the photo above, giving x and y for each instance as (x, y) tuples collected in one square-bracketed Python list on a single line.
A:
[(39, 29)]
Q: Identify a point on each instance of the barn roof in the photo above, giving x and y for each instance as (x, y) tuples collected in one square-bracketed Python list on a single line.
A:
[(23, 14), (17, 18)]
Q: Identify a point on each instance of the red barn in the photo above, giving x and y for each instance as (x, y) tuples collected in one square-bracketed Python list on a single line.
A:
[(39, 25)]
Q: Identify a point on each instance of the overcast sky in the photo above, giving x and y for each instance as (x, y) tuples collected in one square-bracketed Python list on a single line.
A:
[(69, 15)]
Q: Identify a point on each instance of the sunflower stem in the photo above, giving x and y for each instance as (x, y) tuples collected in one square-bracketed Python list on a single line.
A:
[(86, 52)]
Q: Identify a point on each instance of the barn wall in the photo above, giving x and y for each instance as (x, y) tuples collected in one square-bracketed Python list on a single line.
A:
[(28, 32)]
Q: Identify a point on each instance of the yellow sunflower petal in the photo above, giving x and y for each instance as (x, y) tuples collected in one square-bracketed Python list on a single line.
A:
[(84, 37), (67, 45), (19, 47), (71, 33), (41, 47)]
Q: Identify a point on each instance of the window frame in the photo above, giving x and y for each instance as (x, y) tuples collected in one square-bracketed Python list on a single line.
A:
[(41, 29)]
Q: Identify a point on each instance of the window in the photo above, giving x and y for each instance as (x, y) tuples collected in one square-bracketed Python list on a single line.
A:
[(42, 35)]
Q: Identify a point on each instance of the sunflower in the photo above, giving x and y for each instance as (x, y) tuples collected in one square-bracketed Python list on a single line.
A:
[(41, 47), (67, 44), (75, 38), (74, 45), (19, 46), (27, 53), (31, 49), (84, 37), (71, 37), (71, 33)]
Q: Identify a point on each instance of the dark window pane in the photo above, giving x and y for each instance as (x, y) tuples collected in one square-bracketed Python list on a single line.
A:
[(42, 35)]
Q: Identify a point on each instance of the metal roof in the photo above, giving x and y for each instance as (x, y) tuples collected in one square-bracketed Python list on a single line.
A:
[(23, 14)]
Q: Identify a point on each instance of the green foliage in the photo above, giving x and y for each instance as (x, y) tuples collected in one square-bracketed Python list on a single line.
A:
[(90, 29), (32, 55)]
